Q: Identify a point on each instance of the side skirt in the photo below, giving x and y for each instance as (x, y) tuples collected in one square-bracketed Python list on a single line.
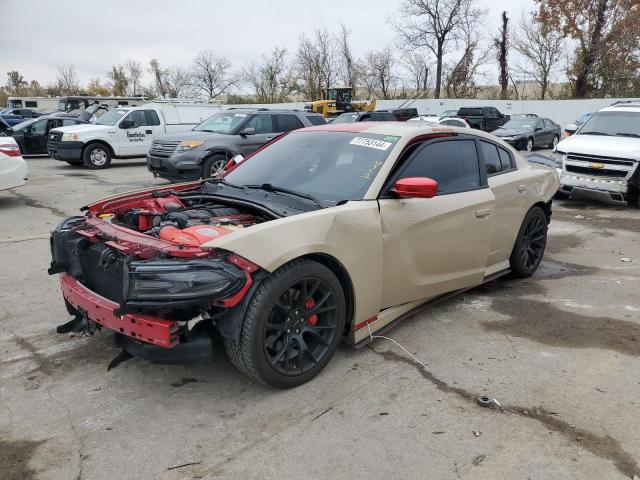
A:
[(420, 307)]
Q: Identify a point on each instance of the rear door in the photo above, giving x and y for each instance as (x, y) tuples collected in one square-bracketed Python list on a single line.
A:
[(435, 245), (509, 188), (287, 123)]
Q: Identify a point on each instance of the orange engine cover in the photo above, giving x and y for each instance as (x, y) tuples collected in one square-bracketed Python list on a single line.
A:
[(196, 235)]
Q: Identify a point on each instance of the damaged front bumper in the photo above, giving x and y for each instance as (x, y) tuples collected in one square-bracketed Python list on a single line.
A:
[(149, 303)]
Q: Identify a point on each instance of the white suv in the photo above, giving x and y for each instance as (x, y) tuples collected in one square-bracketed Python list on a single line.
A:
[(603, 155)]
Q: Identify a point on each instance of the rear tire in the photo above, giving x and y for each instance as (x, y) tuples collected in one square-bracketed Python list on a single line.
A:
[(97, 156), (292, 327), (530, 244)]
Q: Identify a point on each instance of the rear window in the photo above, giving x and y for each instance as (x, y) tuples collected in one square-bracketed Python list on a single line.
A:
[(470, 112)]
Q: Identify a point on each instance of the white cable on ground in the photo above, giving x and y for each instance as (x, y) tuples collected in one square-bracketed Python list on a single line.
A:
[(397, 344)]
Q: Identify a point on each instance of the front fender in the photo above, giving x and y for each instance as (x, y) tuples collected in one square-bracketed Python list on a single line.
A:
[(350, 233)]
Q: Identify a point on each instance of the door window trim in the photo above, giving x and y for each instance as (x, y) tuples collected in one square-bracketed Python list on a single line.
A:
[(385, 191), (512, 160)]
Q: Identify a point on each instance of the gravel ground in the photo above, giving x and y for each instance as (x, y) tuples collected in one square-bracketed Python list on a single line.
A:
[(560, 352)]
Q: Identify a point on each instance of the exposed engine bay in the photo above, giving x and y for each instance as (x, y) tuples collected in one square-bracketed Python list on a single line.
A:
[(183, 221)]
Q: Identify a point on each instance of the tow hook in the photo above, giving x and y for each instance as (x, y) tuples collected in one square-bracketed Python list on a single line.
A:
[(80, 323)]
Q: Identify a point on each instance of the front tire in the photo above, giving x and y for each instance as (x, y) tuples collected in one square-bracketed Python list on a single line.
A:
[(214, 166), (97, 156), (292, 326), (554, 142), (530, 244)]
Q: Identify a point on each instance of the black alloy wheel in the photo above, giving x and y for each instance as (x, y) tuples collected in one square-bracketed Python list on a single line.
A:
[(292, 326), (530, 244), (301, 326)]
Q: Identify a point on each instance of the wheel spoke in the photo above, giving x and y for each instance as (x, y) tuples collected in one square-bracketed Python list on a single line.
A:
[(283, 350), (317, 311), (315, 333)]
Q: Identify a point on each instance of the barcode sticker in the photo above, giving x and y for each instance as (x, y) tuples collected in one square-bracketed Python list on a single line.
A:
[(370, 143)]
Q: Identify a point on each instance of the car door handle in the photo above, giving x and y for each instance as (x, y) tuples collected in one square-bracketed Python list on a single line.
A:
[(269, 138), (482, 213), (149, 132), (522, 188)]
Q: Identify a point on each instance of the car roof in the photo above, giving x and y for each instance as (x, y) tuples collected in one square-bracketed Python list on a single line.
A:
[(400, 129), (631, 106)]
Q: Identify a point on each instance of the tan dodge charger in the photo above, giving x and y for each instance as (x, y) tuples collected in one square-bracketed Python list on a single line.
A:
[(325, 234)]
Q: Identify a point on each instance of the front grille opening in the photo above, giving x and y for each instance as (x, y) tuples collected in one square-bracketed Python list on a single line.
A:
[(103, 271), (597, 172)]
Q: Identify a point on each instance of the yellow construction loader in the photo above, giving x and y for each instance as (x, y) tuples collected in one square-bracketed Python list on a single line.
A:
[(339, 100)]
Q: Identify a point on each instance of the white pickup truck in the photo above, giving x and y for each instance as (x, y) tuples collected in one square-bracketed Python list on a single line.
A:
[(603, 156), (124, 132)]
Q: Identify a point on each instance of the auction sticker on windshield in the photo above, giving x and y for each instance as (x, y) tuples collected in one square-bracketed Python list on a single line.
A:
[(370, 143)]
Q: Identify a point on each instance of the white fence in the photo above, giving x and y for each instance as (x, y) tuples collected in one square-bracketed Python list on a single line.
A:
[(560, 111)]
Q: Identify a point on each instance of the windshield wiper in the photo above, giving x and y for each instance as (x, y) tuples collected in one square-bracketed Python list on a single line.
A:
[(635, 135), (267, 187), (595, 133)]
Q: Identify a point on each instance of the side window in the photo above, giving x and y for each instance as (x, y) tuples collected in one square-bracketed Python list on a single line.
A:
[(152, 117), (453, 164), (365, 118), (539, 125), (261, 124), (55, 123), (491, 158), (286, 123), (138, 118), (316, 120), (548, 123), (67, 121), (31, 104), (505, 159), (38, 128)]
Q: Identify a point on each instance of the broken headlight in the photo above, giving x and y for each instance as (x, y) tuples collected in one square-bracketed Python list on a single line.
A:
[(180, 280)]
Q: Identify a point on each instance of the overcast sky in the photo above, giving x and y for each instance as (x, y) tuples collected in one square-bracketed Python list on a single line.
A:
[(37, 35)]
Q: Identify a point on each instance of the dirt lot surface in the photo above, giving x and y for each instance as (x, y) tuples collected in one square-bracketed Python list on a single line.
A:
[(560, 352)]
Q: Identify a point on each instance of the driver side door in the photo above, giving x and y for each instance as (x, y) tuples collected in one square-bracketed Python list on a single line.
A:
[(136, 139), (35, 138), (436, 245), (264, 129)]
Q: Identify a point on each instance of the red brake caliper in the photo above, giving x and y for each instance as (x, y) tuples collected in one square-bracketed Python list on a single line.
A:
[(309, 304)]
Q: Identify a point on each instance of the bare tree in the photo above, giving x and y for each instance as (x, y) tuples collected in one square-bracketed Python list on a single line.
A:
[(416, 65), (158, 76), (271, 80), (542, 50), (461, 75), (501, 44), (177, 81), (118, 81), (316, 64), (16, 84), (380, 71), (134, 75), (211, 74), (67, 80), (95, 87), (349, 65), (432, 24)]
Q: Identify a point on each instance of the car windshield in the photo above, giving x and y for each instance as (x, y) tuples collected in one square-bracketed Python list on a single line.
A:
[(617, 123), (520, 124), (331, 166), (346, 118), (221, 122), (112, 117)]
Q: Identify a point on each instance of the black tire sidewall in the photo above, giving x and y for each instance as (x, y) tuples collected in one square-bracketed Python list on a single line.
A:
[(262, 303), (86, 156), (515, 261)]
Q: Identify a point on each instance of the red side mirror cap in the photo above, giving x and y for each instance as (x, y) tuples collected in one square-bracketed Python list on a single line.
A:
[(416, 187)]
